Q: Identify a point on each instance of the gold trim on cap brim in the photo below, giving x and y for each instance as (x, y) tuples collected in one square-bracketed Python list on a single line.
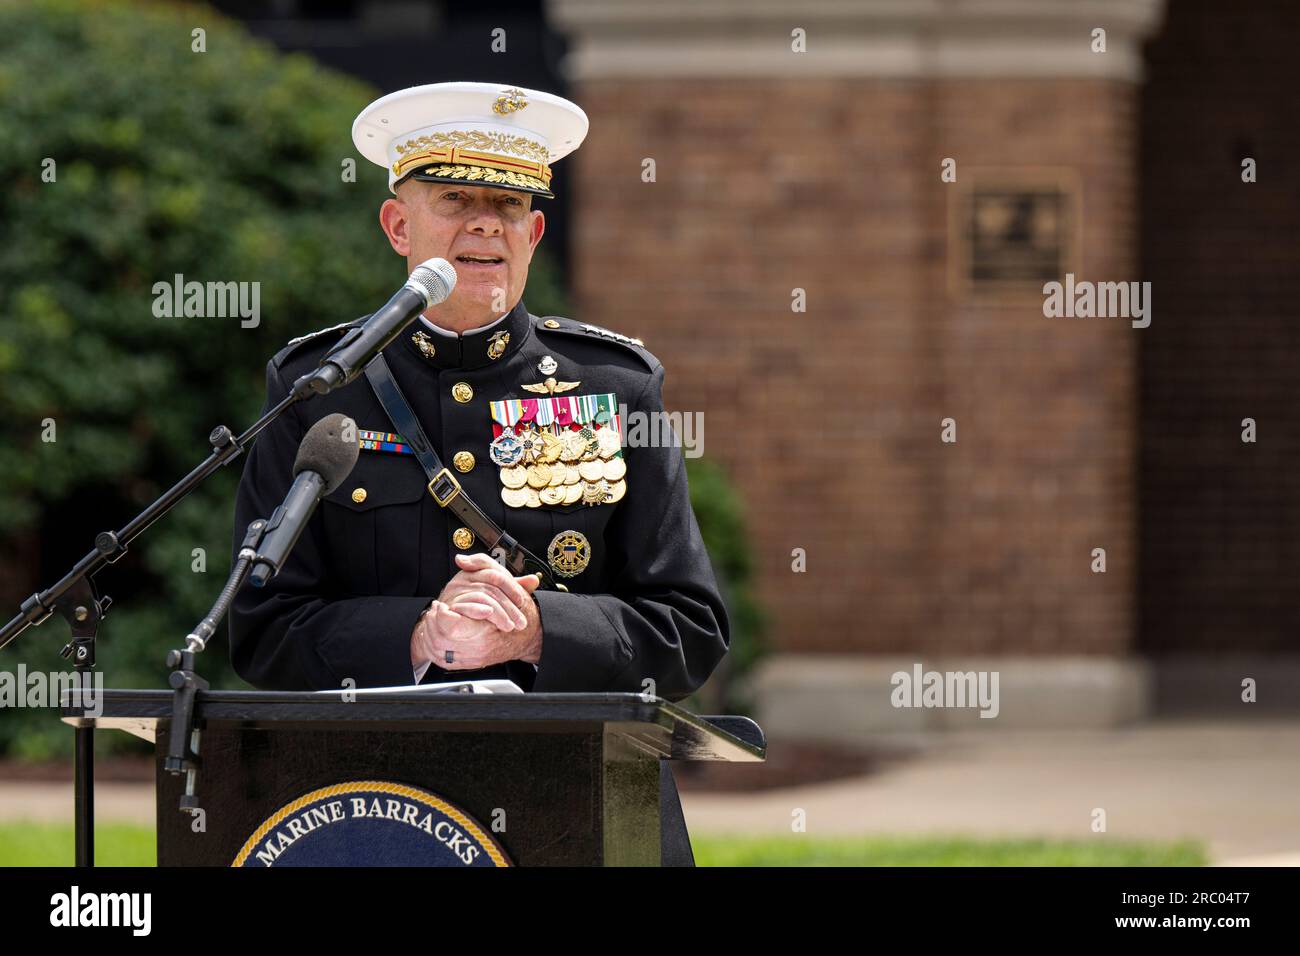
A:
[(479, 176)]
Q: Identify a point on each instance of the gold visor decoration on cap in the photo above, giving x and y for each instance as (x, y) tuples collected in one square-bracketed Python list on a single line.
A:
[(478, 174), (500, 157)]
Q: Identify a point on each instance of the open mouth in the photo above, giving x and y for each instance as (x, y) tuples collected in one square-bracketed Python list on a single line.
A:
[(480, 260)]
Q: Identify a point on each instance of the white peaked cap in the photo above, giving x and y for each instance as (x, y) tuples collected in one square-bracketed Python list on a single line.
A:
[(479, 134)]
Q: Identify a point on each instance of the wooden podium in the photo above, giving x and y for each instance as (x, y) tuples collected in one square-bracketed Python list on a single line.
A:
[(414, 778)]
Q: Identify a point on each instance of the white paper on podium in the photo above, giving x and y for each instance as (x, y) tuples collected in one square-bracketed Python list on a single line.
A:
[(451, 687)]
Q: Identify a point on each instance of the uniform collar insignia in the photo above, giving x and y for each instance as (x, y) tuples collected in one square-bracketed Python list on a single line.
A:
[(472, 350)]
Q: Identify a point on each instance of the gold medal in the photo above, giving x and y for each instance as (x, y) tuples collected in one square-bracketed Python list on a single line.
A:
[(616, 492), (515, 497), (614, 469), (515, 477), (571, 476), (592, 470), (534, 500), (539, 475), (594, 492), (607, 442), (573, 493), (569, 553), (559, 472), (551, 447), (551, 495), (571, 446)]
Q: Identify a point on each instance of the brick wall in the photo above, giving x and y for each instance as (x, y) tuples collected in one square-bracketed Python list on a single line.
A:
[(829, 421)]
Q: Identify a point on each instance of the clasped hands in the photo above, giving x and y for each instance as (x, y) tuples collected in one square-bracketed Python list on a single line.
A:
[(484, 616)]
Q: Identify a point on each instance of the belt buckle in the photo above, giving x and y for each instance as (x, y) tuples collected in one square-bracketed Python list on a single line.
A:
[(444, 500)]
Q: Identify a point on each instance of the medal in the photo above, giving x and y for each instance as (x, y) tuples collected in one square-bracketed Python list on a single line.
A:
[(515, 497), (607, 443), (539, 475), (551, 447), (530, 442), (571, 446), (505, 449)]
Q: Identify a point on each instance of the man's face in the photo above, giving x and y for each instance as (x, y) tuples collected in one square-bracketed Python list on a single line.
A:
[(465, 225)]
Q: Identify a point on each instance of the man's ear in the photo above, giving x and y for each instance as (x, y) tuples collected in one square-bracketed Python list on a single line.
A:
[(392, 219), (536, 228)]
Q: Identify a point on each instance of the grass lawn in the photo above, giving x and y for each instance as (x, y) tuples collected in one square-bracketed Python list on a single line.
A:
[(939, 851), (118, 844), (51, 844)]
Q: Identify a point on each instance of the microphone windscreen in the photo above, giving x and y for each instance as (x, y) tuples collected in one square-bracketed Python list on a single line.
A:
[(324, 450), (434, 279)]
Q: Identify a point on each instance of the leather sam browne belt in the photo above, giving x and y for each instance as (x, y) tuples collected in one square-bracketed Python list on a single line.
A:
[(444, 487)]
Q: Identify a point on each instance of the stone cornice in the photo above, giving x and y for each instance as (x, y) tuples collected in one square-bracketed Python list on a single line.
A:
[(871, 38)]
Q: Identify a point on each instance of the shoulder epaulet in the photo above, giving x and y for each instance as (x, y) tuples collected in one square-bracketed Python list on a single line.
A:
[(556, 323), (293, 344)]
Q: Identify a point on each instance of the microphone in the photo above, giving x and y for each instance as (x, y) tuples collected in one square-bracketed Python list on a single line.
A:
[(429, 284), (324, 460)]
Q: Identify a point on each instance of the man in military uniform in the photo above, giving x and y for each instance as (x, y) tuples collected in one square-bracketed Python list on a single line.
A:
[(385, 586)]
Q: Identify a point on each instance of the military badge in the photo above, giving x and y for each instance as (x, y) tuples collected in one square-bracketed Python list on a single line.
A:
[(559, 450), (497, 345), (569, 553), (424, 342)]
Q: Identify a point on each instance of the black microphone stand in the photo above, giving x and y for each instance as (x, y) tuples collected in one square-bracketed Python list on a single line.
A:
[(75, 597), (183, 744)]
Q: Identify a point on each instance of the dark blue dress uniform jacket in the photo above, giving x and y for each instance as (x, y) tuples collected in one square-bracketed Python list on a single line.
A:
[(345, 603)]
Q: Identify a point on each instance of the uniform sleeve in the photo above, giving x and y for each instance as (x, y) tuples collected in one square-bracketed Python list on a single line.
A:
[(296, 633), (664, 618)]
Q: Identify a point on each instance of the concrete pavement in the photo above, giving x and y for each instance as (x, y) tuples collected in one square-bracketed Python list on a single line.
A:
[(1235, 786)]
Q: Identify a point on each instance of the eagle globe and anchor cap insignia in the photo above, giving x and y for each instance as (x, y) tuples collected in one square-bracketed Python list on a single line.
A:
[(370, 823)]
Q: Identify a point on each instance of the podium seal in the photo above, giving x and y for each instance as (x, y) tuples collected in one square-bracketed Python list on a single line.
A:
[(370, 823)]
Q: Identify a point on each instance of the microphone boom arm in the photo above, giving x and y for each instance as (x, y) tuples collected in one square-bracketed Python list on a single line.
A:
[(111, 545)]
